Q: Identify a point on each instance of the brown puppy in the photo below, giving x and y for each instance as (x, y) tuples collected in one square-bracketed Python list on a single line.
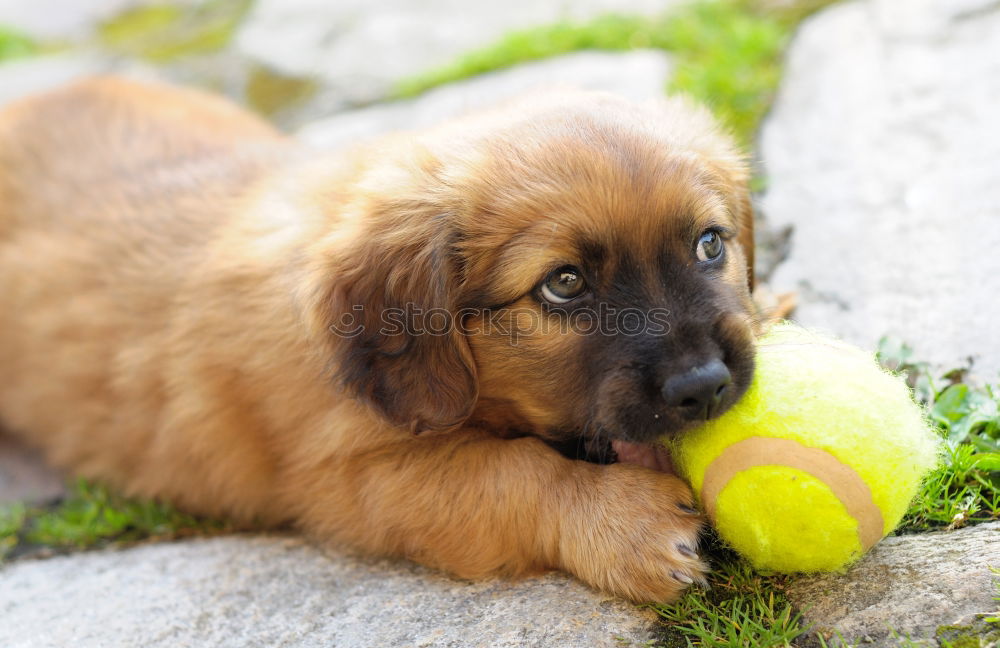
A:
[(406, 348)]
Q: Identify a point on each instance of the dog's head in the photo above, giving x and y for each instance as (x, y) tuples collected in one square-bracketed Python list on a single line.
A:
[(575, 267)]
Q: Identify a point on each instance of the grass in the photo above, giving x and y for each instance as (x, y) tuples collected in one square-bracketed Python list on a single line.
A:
[(92, 516), (742, 608), (159, 32), (727, 53), (163, 32), (965, 489), (11, 523), (14, 44), (269, 92)]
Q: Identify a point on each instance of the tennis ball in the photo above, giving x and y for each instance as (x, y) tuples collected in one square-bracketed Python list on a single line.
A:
[(817, 462)]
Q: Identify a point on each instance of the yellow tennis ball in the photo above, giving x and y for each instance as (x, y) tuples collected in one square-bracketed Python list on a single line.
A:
[(817, 462)]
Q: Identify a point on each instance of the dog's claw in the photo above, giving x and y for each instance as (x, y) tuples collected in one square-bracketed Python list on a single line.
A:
[(687, 551), (682, 577)]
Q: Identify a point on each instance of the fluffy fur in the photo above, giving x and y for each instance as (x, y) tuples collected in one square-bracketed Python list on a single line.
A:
[(172, 271)]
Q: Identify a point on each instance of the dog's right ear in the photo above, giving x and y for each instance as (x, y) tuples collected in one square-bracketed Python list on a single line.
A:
[(384, 302)]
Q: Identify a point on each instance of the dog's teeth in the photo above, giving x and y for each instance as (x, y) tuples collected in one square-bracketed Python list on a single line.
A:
[(683, 578), (687, 509), (687, 551)]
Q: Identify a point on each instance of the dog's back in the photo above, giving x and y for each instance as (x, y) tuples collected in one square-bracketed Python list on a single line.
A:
[(135, 149), (110, 194)]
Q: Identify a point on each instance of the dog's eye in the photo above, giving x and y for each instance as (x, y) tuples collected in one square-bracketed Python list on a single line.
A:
[(710, 246), (563, 285)]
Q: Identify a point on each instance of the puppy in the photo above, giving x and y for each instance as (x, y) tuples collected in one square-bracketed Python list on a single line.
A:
[(457, 346)]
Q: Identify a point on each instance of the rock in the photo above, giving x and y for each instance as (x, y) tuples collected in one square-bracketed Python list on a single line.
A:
[(882, 152), (271, 591), (25, 477), (58, 19), (638, 75), (28, 76), (360, 47), (907, 585)]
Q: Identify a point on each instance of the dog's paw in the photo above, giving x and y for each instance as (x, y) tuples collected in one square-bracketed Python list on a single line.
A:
[(632, 532)]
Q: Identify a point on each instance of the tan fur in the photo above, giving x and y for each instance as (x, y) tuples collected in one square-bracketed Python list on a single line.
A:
[(170, 267)]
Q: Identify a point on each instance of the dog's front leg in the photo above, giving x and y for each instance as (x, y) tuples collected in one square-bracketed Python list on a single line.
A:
[(477, 505)]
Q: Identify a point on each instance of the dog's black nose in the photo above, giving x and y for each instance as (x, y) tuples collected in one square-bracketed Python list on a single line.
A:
[(697, 392)]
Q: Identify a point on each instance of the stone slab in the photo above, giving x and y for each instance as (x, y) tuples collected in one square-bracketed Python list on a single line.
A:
[(360, 47), (907, 586), (638, 75), (279, 591), (883, 153)]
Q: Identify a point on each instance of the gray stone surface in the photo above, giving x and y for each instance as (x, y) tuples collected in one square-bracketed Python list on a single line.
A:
[(23, 77), (277, 591), (638, 75), (883, 152), (907, 584), (360, 47), (28, 76), (60, 19)]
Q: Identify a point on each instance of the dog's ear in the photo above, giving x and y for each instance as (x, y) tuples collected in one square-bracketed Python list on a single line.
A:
[(721, 153), (743, 207), (734, 183), (388, 313)]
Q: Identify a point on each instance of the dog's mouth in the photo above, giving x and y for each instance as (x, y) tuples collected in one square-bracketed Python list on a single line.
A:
[(654, 456), (603, 449)]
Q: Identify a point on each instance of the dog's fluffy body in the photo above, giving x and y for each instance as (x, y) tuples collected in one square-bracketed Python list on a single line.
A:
[(171, 267)]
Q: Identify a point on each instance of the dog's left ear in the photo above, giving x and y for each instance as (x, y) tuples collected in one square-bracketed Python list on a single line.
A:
[(721, 153), (734, 182), (743, 208), (387, 313)]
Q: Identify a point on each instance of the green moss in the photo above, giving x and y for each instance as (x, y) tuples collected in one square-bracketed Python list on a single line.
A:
[(93, 516), (14, 44), (269, 92), (610, 32), (139, 22), (983, 633), (978, 635), (728, 53), (164, 32)]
